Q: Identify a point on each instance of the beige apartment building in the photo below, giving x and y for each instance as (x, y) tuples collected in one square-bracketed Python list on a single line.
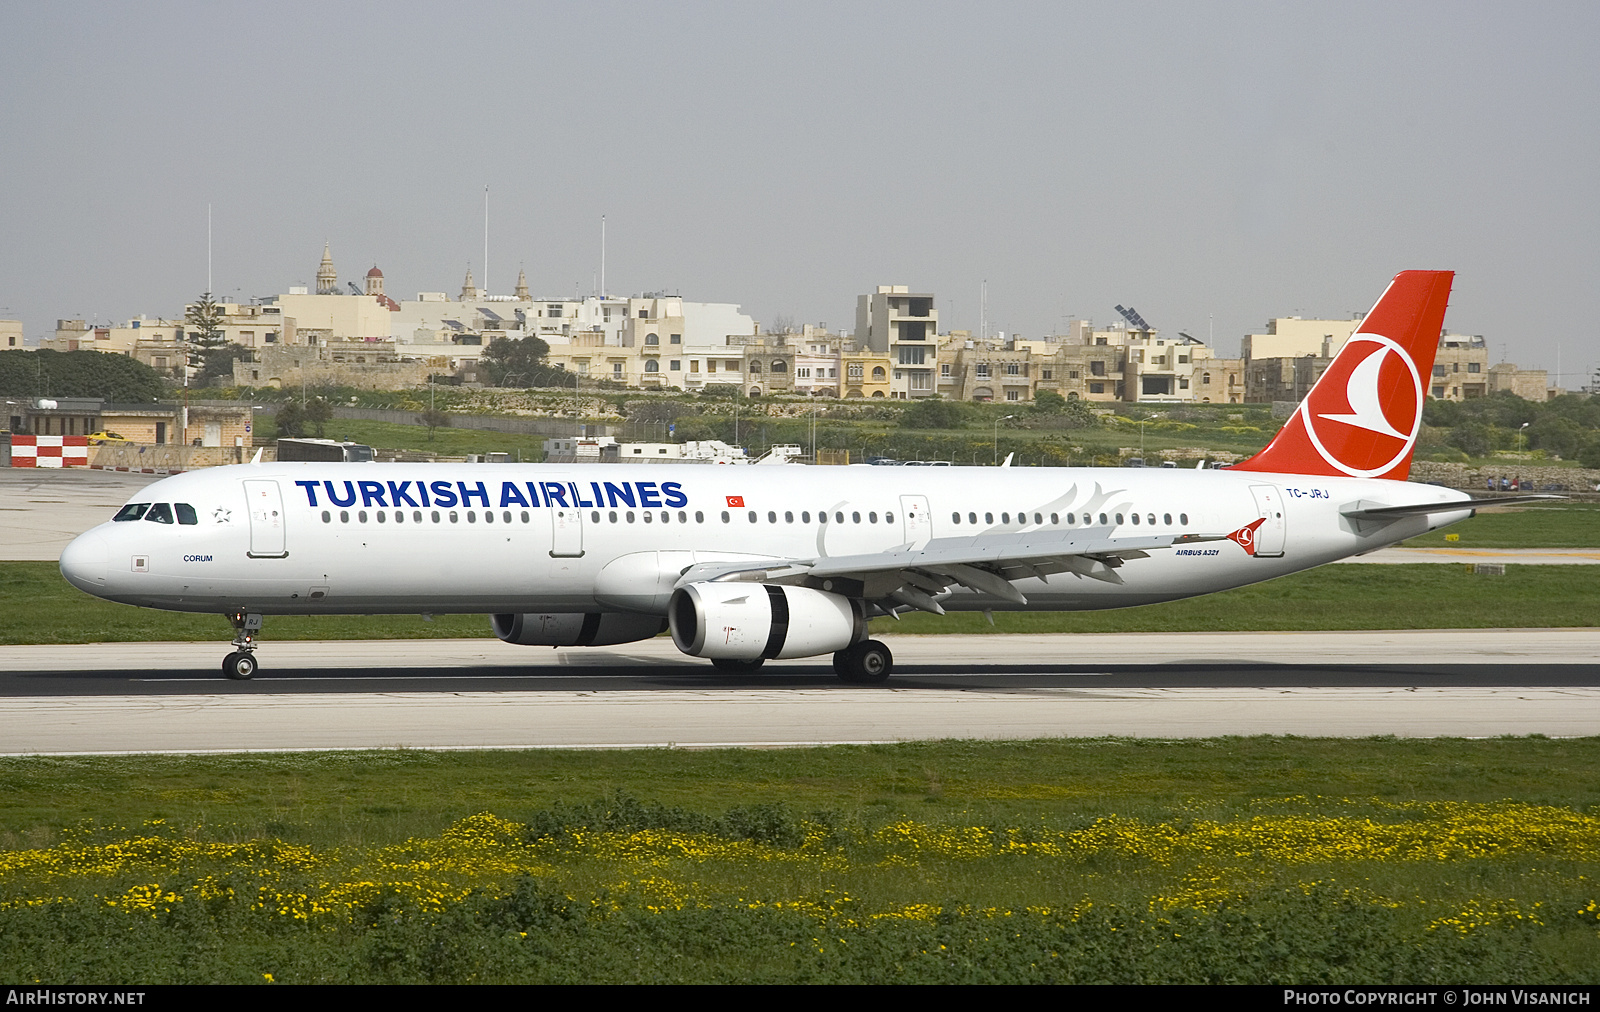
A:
[(904, 325), (1282, 364)]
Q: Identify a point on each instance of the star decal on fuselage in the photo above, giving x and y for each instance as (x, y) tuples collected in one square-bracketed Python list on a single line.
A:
[(222, 515)]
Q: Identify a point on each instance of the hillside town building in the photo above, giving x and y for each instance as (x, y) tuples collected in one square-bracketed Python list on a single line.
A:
[(362, 337)]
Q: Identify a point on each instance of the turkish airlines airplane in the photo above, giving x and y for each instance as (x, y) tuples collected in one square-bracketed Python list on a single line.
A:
[(744, 564)]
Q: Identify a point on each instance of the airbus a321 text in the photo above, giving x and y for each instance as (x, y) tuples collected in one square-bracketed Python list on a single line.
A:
[(745, 564)]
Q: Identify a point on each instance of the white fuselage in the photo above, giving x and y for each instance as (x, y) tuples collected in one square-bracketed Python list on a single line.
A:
[(308, 538)]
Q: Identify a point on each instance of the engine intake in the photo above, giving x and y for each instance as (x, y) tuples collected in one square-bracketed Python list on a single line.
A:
[(747, 621), (584, 629)]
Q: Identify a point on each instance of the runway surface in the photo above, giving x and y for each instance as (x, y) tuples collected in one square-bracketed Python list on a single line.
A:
[(41, 509), (485, 694)]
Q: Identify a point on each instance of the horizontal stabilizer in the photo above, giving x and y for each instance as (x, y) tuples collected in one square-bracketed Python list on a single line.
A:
[(1361, 511)]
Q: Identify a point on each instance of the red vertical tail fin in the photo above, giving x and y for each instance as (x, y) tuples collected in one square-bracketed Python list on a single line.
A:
[(1363, 415)]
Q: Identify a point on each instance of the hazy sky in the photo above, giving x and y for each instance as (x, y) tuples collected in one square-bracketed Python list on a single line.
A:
[(1205, 163)]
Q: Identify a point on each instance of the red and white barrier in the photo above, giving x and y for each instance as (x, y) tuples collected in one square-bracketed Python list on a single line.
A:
[(49, 451)]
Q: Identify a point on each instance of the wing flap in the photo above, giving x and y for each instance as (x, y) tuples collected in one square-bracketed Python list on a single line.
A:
[(985, 564)]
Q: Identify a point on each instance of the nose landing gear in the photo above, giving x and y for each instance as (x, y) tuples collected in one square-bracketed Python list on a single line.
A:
[(241, 663)]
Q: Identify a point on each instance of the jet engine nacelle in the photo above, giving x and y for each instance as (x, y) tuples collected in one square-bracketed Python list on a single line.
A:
[(584, 629), (746, 621)]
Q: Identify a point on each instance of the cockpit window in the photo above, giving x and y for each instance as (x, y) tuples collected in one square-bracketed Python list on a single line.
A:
[(160, 513), (186, 514), (132, 511)]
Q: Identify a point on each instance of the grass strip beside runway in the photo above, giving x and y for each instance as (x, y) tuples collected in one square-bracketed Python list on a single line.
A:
[(37, 606), (1226, 860), (1556, 525)]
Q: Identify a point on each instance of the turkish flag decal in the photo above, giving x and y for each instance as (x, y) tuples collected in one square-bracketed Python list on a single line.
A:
[(736, 501)]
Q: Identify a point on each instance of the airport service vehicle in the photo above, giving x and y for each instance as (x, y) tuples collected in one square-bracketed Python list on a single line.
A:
[(746, 564)]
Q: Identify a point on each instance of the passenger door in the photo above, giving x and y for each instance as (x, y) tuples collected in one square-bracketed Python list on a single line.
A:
[(267, 539), (1270, 536)]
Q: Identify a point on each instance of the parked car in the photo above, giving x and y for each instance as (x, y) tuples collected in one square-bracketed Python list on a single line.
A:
[(103, 436)]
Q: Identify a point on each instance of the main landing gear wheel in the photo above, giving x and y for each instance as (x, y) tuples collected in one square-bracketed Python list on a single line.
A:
[(239, 665), (737, 667), (866, 663)]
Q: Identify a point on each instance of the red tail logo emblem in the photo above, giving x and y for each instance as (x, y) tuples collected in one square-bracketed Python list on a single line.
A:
[(1363, 415), (1246, 536)]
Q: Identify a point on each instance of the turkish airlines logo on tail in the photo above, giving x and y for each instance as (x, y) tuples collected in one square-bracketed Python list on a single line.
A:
[(1245, 536), (1364, 414)]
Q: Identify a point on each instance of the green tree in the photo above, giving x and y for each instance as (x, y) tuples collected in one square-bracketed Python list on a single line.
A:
[(318, 412), (433, 418), (935, 413), (216, 367), (1589, 456), (1049, 402), (519, 363), (116, 378), (291, 419), (1560, 436), (204, 319), (1472, 438)]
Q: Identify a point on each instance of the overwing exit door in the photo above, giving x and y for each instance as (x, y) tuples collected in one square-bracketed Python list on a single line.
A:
[(919, 520), (566, 539)]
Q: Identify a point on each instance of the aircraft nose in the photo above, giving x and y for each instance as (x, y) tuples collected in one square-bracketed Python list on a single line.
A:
[(84, 562)]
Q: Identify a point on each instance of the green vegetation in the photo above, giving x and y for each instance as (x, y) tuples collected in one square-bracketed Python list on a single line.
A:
[(1347, 596), (1049, 431), (117, 378), (40, 607), (210, 351), (294, 419), (1235, 860), (1559, 525), (1567, 426), (520, 363)]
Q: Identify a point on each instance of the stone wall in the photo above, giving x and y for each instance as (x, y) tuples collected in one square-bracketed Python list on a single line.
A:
[(170, 456), (1476, 479)]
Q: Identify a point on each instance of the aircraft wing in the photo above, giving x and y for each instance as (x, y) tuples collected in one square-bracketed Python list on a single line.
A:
[(987, 563)]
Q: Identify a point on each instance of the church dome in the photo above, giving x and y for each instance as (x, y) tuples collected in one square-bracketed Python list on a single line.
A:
[(374, 273)]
